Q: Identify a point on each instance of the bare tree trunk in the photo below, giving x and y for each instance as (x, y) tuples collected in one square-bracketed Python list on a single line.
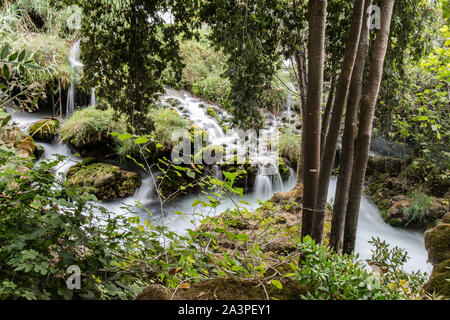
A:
[(327, 112), (329, 152), (301, 67), (365, 126), (317, 10), (348, 140)]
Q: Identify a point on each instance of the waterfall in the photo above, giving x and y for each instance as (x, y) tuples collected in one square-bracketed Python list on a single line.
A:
[(75, 65), (93, 100)]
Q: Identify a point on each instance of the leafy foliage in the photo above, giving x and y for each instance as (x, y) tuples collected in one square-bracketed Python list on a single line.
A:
[(136, 46)]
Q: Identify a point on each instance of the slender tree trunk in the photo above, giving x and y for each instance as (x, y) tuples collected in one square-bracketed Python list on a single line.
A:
[(348, 140), (327, 112), (301, 67), (329, 152), (317, 10), (365, 126)]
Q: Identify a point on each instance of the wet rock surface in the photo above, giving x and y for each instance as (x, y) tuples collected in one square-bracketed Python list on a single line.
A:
[(105, 181)]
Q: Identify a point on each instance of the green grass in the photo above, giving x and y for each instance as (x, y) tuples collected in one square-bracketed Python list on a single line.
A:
[(90, 126), (420, 204)]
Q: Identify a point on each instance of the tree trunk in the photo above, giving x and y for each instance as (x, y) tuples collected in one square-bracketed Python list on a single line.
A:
[(348, 140), (365, 126), (327, 112), (329, 152), (317, 10), (301, 67)]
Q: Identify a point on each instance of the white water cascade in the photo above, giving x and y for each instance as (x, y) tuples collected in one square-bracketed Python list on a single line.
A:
[(370, 220), (76, 65), (93, 100), (268, 179)]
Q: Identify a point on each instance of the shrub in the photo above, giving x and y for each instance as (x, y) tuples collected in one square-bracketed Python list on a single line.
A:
[(91, 126), (331, 276), (289, 147)]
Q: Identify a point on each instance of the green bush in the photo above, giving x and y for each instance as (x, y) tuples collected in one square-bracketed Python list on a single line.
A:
[(331, 276), (289, 146), (90, 126)]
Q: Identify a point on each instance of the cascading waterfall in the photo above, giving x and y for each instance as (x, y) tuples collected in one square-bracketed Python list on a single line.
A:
[(93, 100), (76, 65), (268, 179)]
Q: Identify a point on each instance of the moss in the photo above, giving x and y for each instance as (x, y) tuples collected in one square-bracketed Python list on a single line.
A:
[(211, 112), (437, 243), (439, 279), (209, 153), (282, 168), (105, 181), (44, 130)]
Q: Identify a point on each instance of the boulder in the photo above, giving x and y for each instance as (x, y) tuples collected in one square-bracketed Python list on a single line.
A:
[(437, 243), (439, 279), (390, 165), (105, 181), (44, 130)]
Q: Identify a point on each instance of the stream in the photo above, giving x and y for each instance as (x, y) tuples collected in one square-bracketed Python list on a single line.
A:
[(268, 180), (370, 223)]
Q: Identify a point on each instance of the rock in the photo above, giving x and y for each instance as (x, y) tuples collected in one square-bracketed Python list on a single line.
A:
[(44, 130), (390, 165), (105, 181), (437, 243), (247, 173), (446, 218), (173, 102), (438, 281), (154, 292), (21, 143), (211, 112)]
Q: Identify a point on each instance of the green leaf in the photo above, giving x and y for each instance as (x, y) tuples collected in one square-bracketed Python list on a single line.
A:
[(6, 72), (5, 52), (125, 136), (21, 56), (141, 140), (277, 284)]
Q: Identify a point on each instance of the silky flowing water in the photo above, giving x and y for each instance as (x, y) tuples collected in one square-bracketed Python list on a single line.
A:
[(370, 222)]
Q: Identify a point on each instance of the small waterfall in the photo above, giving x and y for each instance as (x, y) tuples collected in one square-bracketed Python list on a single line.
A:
[(217, 172), (76, 65), (263, 187), (93, 100)]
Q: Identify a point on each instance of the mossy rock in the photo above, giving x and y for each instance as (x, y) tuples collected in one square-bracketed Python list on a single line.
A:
[(44, 130), (105, 181), (437, 243), (173, 102), (247, 173), (439, 279), (446, 218), (211, 112), (390, 165), (209, 153), (198, 134), (283, 169)]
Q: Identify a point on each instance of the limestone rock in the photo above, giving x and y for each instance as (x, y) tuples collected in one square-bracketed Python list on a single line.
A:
[(437, 242), (106, 181), (44, 130)]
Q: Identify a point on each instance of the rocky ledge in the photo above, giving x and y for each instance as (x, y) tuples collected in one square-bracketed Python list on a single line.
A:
[(105, 181), (437, 243)]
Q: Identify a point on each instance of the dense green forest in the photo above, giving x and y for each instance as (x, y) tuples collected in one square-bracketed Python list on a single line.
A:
[(224, 150)]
